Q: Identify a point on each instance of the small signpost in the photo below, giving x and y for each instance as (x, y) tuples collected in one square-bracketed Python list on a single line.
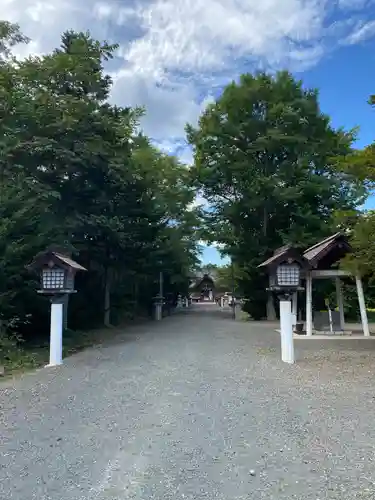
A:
[(57, 273)]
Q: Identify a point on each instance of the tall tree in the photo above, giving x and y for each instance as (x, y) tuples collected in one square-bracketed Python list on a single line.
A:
[(10, 35), (263, 161), (75, 173)]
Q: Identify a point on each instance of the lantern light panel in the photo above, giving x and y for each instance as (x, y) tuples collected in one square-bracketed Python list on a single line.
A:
[(288, 275), (53, 279)]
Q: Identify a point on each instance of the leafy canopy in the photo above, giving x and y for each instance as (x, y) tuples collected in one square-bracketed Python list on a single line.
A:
[(263, 160)]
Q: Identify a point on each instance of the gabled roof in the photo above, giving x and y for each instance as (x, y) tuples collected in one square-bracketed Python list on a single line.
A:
[(281, 250), (43, 259), (315, 253), (70, 262), (276, 254), (283, 253), (199, 279)]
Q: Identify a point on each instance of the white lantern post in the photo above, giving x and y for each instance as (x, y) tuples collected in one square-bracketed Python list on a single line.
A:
[(57, 272), (287, 283), (53, 279), (284, 268)]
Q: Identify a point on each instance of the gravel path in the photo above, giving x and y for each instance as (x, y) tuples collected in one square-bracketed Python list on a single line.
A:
[(194, 407)]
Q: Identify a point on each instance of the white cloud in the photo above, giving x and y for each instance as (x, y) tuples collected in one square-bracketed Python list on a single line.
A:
[(175, 53), (362, 32), (167, 108), (209, 35)]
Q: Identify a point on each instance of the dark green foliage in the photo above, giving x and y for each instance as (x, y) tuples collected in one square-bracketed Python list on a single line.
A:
[(74, 172), (360, 164), (263, 159)]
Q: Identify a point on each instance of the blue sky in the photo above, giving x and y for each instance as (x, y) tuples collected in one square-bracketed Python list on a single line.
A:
[(211, 255), (175, 56), (346, 80)]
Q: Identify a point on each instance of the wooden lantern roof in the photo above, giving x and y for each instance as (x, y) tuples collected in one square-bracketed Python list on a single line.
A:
[(283, 254), (63, 261)]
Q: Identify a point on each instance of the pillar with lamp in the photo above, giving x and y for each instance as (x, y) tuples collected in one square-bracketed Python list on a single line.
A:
[(159, 300), (284, 269), (57, 272)]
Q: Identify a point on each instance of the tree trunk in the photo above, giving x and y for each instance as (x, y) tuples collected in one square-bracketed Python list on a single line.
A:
[(265, 221), (107, 298), (271, 313)]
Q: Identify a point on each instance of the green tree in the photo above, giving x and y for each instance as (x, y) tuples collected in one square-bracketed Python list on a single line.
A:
[(228, 279), (360, 164), (76, 173), (263, 161), (10, 35)]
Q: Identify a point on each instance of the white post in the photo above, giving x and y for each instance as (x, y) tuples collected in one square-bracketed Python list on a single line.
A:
[(221, 301), (340, 303), (55, 346), (308, 303), (286, 328), (186, 302), (294, 309), (362, 306), (158, 312), (330, 320)]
